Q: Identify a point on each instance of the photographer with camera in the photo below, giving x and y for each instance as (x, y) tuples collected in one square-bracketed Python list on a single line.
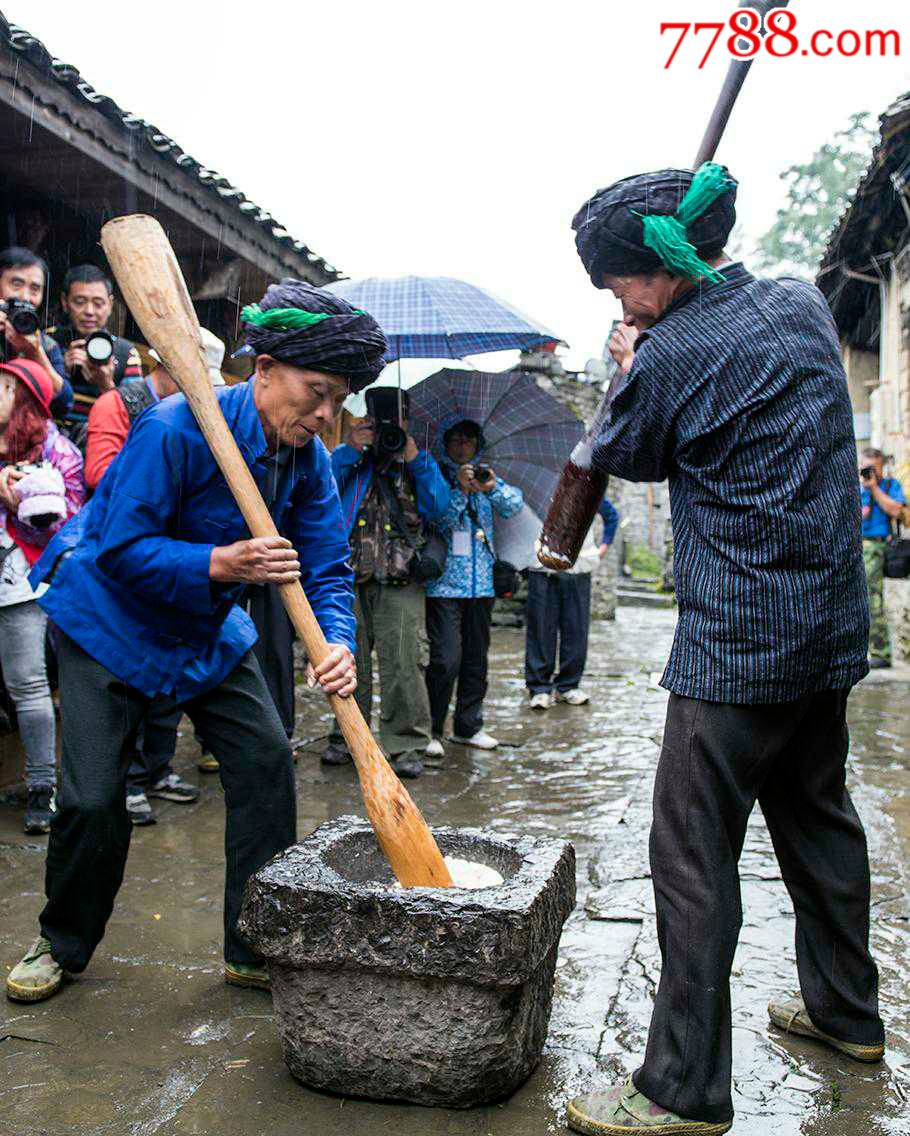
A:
[(40, 488), (389, 490), (23, 281), (460, 602), (96, 360), (882, 500)]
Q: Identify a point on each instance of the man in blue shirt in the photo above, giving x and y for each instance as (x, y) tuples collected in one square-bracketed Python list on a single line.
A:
[(142, 590), (882, 500), (733, 390)]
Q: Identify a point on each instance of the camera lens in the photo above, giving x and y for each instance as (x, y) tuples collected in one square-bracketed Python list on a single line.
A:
[(24, 317), (390, 439), (99, 346)]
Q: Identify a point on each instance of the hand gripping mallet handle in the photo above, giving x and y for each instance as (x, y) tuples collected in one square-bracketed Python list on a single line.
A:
[(581, 487), (152, 284)]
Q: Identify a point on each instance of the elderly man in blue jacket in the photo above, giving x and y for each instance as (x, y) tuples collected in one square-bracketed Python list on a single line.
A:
[(386, 499), (142, 588)]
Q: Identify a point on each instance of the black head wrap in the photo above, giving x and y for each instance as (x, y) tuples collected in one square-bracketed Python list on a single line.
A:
[(338, 339), (609, 233)]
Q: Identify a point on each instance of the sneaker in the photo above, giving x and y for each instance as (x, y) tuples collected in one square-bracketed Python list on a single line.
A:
[(36, 977), (434, 754), (174, 788), (877, 664), (208, 763), (480, 740), (407, 765), (541, 701), (336, 754), (39, 810), (572, 697), (791, 1015), (244, 974), (138, 807), (624, 1111)]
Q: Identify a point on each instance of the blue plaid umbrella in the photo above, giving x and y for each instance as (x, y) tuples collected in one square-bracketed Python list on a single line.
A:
[(528, 437), (438, 317)]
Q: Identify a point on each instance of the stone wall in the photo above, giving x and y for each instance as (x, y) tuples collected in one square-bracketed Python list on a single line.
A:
[(897, 610)]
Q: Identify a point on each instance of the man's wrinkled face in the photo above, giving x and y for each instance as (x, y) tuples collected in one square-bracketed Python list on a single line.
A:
[(23, 282), (295, 404), (644, 298), (88, 306)]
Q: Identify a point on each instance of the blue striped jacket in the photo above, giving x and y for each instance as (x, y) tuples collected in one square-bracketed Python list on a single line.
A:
[(738, 396)]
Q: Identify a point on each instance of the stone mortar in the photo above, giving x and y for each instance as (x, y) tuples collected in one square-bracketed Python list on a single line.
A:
[(431, 995)]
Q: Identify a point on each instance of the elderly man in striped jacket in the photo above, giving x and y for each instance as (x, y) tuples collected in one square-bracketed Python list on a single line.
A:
[(734, 391)]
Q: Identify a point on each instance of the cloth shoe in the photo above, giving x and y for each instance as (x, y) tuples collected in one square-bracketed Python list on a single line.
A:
[(174, 788), (39, 810), (624, 1111), (790, 1015), (434, 753), (36, 977), (541, 701), (480, 740), (208, 763), (244, 974), (336, 755), (138, 807), (407, 765), (574, 697)]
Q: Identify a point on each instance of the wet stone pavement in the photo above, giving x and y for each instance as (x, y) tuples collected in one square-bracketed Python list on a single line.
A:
[(149, 1040)]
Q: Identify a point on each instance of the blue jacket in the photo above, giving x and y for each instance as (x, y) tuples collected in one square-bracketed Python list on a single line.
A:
[(469, 564), (135, 592), (610, 518), (878, 523), (353, 471)]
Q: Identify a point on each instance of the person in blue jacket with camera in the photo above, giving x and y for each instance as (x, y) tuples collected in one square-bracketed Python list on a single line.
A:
[(143, 590)]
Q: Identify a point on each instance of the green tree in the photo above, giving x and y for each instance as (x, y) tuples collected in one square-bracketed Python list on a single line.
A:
[(817, 194)]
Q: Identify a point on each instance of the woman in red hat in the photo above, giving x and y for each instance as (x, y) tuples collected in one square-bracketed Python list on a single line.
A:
[(41, 487)]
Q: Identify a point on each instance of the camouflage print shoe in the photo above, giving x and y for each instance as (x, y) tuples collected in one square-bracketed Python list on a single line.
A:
[(242, 974), (624, 1111), (36, 977), (790, 1014)]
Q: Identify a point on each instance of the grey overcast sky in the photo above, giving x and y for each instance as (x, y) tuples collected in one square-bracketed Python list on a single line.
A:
[(443, 138)]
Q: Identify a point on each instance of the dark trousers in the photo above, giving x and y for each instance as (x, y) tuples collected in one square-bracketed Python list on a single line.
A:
[(274, 649), (558, 612), (90, 833), (155, 744), (717, 760), (459, 633)]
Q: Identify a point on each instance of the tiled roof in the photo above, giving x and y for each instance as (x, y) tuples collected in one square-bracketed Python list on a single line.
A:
[(872, 227), (26, 45)]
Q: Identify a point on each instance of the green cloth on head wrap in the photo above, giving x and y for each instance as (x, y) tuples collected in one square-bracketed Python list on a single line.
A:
[(666, 234), (281, 319)]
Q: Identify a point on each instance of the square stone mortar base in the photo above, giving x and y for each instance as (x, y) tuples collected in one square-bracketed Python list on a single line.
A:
[(438, 996)]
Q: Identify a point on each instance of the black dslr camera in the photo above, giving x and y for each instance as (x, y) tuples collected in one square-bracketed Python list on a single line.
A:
[(23, 316), (383, 404)]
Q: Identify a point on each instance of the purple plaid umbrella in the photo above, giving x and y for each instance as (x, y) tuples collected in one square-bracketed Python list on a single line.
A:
[(528, 437)]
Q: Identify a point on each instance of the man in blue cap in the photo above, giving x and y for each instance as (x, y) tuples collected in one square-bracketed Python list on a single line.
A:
[(142, 590), (733, 389)]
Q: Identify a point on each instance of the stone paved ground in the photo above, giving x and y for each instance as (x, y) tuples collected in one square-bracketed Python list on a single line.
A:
[(149, 1042)]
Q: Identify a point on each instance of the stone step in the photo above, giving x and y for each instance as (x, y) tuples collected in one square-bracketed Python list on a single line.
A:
[(628, 598)]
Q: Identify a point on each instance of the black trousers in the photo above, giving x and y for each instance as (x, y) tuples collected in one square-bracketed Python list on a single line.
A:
[(274, 649), (459, 634), (558, 611), (717, 760), (155, 744), (90, 832)]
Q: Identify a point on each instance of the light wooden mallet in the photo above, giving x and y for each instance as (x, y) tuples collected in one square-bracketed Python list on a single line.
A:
[(153, 286)]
